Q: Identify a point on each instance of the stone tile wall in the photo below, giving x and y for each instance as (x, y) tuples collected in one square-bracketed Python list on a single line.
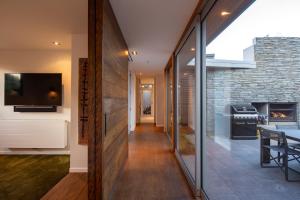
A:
[(275, 79)]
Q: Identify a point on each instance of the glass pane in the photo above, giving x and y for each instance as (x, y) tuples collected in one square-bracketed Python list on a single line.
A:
[(146, 102), (252, 82), (186, 138)]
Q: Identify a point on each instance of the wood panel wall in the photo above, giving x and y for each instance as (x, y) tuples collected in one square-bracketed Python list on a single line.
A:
[(95, 99), (115, 100), (108, 102), (83, 101)]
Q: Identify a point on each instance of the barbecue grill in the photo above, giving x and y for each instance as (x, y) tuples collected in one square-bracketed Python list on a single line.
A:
[(243, 122)]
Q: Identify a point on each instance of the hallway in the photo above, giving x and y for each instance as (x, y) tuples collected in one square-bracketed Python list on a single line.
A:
[(151, 171)]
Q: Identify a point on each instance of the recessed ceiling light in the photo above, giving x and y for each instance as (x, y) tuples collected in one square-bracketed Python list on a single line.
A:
[(193, 49), (56, 43), (225, 13), (134, 53)]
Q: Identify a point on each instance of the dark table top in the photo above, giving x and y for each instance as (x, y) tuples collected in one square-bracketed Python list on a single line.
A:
[(292, 134)]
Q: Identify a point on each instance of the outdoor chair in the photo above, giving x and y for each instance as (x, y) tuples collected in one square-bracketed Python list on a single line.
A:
[(285, 154), (293, 145)]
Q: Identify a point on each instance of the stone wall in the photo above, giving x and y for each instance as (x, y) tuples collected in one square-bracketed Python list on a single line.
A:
[(276, 78)]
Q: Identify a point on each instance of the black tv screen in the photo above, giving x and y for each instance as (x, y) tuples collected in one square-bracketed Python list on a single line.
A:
[(34, 89)]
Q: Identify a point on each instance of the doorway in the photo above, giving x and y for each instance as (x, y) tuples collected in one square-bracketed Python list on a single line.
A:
[(146, 102)]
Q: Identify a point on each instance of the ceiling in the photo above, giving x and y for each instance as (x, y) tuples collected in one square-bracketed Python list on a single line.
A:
[(152, 28), (35, 24)]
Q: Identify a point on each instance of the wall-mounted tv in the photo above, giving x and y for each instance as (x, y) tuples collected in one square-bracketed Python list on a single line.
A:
[(33, 89)]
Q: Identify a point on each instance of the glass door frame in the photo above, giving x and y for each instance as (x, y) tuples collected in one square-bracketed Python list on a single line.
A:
[(202, 43), (206, 10), (197, 183), (167, 110)]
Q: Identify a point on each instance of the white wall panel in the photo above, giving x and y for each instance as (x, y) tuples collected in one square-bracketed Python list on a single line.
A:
[(33, 133)]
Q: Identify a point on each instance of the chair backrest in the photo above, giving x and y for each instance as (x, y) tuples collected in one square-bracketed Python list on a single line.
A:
[(287, 126), (272, 134)]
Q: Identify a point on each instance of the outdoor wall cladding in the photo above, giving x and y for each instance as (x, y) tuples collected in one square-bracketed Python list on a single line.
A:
[(276, 78)]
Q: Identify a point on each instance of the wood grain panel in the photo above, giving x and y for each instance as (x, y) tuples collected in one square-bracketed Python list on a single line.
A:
[(114, 133), (115, 159), (114, 104), (113, 90), (114, 119), (83, 101), (115, 101), (95, 25), (108, 67)]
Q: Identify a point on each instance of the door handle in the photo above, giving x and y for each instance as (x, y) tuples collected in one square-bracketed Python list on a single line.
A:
[(105, 119)]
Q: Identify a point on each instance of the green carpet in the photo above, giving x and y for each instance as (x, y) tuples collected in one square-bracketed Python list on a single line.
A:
[(29, 177)]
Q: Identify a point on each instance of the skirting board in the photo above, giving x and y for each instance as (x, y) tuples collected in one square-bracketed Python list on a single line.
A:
[(78, 170), (31, 152), (160, 125)]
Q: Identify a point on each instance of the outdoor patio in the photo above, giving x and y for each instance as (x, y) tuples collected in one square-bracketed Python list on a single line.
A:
[(234, 173)]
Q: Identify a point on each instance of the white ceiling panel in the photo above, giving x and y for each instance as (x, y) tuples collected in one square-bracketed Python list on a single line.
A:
[(152, 28)]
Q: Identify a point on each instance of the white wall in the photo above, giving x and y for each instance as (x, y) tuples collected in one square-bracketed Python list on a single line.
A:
[(50, 61), (79, 153), (160, 100), (132, 101), (36, 61)]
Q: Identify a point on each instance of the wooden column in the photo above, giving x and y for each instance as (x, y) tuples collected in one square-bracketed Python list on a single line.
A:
[(95, 99), (107, 100)]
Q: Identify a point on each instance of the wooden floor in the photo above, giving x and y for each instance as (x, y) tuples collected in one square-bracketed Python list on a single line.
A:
[(151, 172), (71, 187)]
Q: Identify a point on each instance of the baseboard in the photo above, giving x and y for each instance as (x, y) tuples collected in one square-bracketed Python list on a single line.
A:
[(78, 170), (32, 152), (160, 125)]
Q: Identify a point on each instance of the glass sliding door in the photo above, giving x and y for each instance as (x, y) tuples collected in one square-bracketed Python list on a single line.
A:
[(188, 107), (251, 83)]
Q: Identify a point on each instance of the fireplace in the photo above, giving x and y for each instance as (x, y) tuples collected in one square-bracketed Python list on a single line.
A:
[(282, 112)]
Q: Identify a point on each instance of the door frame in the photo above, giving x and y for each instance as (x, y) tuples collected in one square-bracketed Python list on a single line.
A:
[(169, 93), (195, 184)]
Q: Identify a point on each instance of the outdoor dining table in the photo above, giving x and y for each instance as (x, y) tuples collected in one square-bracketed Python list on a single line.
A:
[(291, 134)]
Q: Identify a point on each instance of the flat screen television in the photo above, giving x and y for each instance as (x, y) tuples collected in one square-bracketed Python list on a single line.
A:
[(33, 89)]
